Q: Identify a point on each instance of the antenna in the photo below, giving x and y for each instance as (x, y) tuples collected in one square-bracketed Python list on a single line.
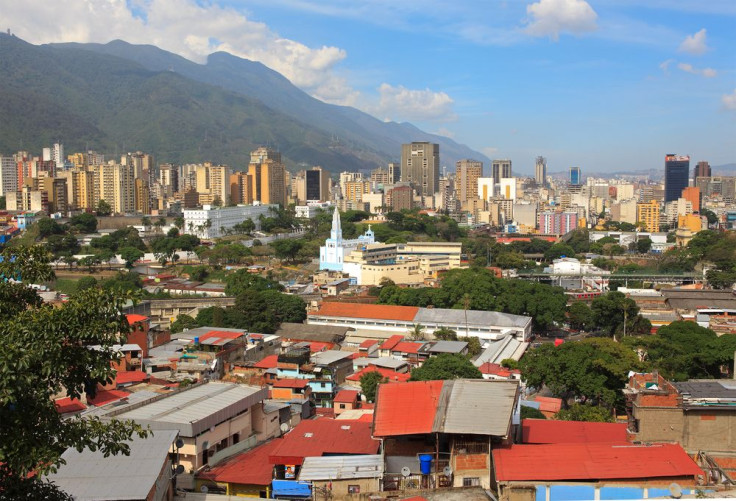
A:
[(447, 471), (284, 427), (675, 490), (405, 471)]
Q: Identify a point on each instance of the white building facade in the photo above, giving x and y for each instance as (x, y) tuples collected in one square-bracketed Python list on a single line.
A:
[(211, 222), (332, 254)]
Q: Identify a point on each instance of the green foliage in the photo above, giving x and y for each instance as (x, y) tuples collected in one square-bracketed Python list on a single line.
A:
[(130, 255), (510, 363), (721, 279), (242, 280), (416, 332), (585, 412), (183, 322), (445, 334), (446, 366), (59, 245), (580, 241), (684, 350), (369, 384), (123, 281), (609, 311), (558, 250), (531, 413), (103, 208), (580, 316), (287, 248), (44, 352), (84, 223), (85, 283), (474, 346), (48, 227), (593, 369), (544, 303), (644, 245)]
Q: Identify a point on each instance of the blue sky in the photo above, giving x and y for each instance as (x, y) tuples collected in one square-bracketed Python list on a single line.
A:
[(606, 85)]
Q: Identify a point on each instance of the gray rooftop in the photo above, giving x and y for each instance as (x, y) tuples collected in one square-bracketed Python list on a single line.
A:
[(196, 409), (330, 357), (476, 318), (707, 389), (384, 362), (500, 349), (445, 346), (477, 407), (310, 332), (90, 476), (342, 467)]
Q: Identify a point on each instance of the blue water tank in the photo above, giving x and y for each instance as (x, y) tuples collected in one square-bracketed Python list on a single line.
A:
[(196, 340), (425, 463)]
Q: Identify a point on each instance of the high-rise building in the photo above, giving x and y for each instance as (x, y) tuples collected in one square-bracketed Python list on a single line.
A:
[(57, 155), (500, 169), (115, 184), (676, 175), (317, 184), (702, 169), (169, 178), (557, 223), (268, 176), (420, 166), (8, 175), (540, 171), (394, 173), (692, 195), (400, 198), (142, 197), (648, 214), (575, 176), (467, 173)]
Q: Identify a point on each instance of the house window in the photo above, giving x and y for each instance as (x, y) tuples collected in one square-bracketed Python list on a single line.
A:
[(353, 489), (471, 482), (342, 406)]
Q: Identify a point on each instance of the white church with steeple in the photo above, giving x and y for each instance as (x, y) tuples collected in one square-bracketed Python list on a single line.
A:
[(332, 254)]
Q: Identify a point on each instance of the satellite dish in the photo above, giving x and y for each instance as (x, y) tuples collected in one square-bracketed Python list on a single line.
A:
[(447, 471), (284, 427), (203, 489), (179, 469), (179, 443), (405, 471), (675, 490)]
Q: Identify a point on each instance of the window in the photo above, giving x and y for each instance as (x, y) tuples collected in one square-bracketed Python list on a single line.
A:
[(471, 482), (353, 489), (342, 406)]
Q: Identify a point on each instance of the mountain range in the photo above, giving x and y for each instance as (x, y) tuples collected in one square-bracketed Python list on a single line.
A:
[(119, 97)]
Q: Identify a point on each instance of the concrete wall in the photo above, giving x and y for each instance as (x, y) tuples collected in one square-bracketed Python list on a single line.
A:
[(706, 429)]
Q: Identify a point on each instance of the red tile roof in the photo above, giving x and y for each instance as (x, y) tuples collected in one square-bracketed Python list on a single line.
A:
[(377, 311), (318, 437), (406, 408), (407, 347), (269, 362), (67, 404), (391, 342), (592, 462), (106, 396), (497, 370), (220, 335), (346, 396), (249, 468), (550, 431), (291, 383), (133, 318), (316, 346), (548, 404), (368, 343), (125, 377), (392, 376)]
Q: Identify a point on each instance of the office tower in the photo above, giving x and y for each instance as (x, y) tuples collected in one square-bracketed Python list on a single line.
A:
[(676, 174), (169, 178), (467, 173), (317, 184), (46, 154), (240, 188), (575, 176), (692, 195), (57, 155), (268, 176), (420, 166), (540, 171), (142, 197), (500, 169), (648, 213), (394, 173), (702, 169), (8, 175), (507, 188)]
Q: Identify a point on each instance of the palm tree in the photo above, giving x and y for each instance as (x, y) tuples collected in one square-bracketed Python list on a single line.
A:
[(416, 332)]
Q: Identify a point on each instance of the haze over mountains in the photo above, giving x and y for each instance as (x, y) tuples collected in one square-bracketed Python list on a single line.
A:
[(118, 97)]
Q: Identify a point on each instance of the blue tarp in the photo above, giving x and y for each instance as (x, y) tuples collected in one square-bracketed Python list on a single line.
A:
[(292, 488)]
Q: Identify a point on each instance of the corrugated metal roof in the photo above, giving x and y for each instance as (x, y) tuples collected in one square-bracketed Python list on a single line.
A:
[(193, 410), (447, 346), (500, 349), (406, 408), (341, 467), (90, 476), (706, 388), (592, 462), (480, 407), (309, 332), (249, 468), (550, 431), (329, 357), (475, 318)]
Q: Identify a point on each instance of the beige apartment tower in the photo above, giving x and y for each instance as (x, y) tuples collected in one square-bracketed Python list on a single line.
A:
[(420, 166), (268, 176), (467, 173)]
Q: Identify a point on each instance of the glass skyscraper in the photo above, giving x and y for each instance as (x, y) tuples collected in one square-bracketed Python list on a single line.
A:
[(575, 176), (676, 175)]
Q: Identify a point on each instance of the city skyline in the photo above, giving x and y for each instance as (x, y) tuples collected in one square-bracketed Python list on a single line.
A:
[(603, 85)]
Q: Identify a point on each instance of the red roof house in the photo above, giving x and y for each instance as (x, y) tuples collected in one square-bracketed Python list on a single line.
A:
[(392, 376), (68, 405), (549, 406), (249, 468), (407, 408), (550, 431), (373, 311), (269, 362), (391, 342)]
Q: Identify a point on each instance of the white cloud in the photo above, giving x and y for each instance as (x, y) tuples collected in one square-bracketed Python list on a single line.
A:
[(489, 151), (665, 66), (406, 104), (549, 18), (694, 44), (442, 131), (705, 72), (729, 101), (189, 28)]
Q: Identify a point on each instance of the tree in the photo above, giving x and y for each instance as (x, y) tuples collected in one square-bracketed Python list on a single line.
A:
[(721, 279), (44, 352), (446, 366), (242, 280), (611, 309), (86, 283), (558, 250), (84, 223), (531, 413), (585, 412), (287, 248), (48, 227), (103, 208), (644, 245), (445, 334), (474, 346), (416, 332), (182, 323), (710, 215), (130, 255), (369, 384), (580, 316)]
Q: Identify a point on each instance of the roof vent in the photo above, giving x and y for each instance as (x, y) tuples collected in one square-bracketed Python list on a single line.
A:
[(308, 435), (345, 427)]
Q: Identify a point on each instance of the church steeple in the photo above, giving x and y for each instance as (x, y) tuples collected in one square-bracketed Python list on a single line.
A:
[(336, 233)]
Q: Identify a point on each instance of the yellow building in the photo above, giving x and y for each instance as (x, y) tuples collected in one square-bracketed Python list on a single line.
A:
[(691, 222), (648, 214), (354, 190), (466, 179), (142, 197)]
